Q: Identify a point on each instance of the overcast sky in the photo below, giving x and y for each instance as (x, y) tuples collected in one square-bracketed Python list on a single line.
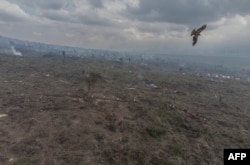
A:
[(157, 26)]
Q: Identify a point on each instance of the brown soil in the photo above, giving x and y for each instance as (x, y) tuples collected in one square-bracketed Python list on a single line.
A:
[(46, 117)]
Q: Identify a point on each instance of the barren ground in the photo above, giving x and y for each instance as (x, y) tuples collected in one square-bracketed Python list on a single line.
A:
[(47, 119)]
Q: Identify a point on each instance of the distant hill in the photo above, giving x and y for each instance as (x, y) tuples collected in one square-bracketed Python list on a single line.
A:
[(221, 62), (27, 46)]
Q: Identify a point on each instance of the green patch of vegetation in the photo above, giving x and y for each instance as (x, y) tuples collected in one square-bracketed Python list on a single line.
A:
[(155, 132), (245, 144), (119, 75), (158, 161), (173, 118), (123, 156), (138, 155), (178, 150), (25, 161), (72, 159), (135, 107), (209, 132)]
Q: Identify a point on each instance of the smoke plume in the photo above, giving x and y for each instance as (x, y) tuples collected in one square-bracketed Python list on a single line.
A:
[(15, 52)]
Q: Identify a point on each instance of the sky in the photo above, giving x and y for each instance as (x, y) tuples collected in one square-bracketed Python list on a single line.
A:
[(152, 26)]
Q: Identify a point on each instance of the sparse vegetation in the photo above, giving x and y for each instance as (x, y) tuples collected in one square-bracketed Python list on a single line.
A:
[(177, 150), (91, 79), (184, 121), (156, 132)]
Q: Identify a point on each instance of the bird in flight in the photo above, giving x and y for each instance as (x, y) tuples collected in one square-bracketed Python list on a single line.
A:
[(196, 33)]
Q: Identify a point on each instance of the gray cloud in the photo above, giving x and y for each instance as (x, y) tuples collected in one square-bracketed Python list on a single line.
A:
[(96, 3), (53, 4), (35, 8), (150, 25), (9, 17), (57, 16), (12, 13), (187, 11), (94, 20), (64, 11)]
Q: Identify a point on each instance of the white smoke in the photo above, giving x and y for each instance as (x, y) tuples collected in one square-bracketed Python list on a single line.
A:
[(15, 52)]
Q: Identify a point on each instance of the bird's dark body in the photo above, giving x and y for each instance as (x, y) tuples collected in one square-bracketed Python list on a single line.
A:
[(196, 33)]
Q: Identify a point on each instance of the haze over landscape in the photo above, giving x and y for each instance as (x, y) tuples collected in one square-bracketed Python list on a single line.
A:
[(131, 25)]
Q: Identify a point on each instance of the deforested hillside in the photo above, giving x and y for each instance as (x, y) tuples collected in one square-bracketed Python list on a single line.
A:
[(91, 110)]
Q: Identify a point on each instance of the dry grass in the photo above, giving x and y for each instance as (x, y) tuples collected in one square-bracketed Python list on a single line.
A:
[(188, 120)]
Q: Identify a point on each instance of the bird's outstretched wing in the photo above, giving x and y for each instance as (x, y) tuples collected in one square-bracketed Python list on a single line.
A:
[(193, 32), (201, 28), (195, 39)]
